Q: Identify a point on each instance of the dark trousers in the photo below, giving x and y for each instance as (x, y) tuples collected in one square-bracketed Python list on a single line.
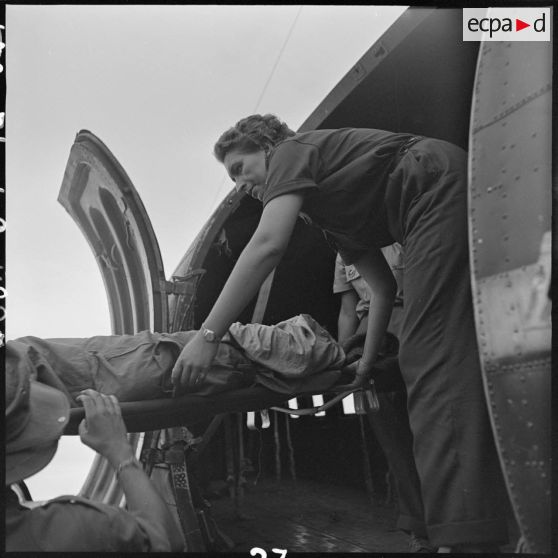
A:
[(461, 482), (391, 428)]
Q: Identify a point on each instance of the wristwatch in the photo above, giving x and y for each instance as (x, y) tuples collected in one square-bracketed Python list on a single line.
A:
[(209, 335)]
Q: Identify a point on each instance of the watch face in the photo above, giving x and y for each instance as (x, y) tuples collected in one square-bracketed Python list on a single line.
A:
[(209, 335)]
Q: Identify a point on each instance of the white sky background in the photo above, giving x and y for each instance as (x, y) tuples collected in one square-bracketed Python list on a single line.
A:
[(158, 85)]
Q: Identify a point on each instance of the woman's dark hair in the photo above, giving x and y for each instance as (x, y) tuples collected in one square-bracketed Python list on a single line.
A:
[(251, 134)]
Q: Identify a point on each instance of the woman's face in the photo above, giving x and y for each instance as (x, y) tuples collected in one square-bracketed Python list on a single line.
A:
[(248, 171)]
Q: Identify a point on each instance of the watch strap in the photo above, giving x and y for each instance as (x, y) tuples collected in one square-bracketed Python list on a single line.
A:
[(130, 462)]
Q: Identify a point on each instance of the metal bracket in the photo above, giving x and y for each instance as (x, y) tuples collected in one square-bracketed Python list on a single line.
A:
[(366, 400), (185, 288), (172, 456), (181, 285), (251, 419), (171, 287), (174, 451)]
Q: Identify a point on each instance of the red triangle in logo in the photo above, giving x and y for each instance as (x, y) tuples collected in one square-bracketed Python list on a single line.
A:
[(519, 25)]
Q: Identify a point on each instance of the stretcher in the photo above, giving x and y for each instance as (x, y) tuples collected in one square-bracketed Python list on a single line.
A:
[(156, 414), (185, 410)]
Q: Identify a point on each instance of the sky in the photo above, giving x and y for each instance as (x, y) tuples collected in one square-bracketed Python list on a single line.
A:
[(158, 85)]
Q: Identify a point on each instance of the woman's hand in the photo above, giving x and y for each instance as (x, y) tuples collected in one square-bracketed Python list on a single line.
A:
[(362, 374), (193, 364)]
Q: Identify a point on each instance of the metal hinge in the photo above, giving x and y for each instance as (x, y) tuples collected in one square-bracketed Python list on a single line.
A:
[(181, 284), (171, 455), (172, 287)]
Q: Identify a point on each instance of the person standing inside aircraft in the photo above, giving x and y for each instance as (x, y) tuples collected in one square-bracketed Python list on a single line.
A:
[(36, 415), (391, 423), (368, 188)]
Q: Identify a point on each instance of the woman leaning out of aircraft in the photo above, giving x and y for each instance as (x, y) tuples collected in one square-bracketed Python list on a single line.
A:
[(366, 189)]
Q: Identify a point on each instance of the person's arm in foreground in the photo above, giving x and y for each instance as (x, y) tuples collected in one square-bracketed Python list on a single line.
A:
[(104, 431), (260, 256), (379, 277)]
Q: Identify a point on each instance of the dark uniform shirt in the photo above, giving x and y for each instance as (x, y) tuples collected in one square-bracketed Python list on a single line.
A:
[(344, 174), (76, 524)]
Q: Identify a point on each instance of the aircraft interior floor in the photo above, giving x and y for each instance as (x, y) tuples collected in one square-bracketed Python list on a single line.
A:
[(305, 516)]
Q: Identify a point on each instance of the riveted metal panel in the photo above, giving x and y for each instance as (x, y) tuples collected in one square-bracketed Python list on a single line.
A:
[(522, 432), (417, 78), (511, 156), (510, 239)]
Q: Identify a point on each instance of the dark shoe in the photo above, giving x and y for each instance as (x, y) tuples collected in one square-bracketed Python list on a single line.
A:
[(479, 548), (420, 544)]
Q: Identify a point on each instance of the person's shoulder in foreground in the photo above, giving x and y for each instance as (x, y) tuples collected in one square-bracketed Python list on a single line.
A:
[(36, 415)]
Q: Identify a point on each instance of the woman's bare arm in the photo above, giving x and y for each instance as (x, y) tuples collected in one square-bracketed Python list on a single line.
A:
[(260, 256)]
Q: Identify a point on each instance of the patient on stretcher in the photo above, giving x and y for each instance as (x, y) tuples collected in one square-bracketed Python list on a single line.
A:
[(293, 356)]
